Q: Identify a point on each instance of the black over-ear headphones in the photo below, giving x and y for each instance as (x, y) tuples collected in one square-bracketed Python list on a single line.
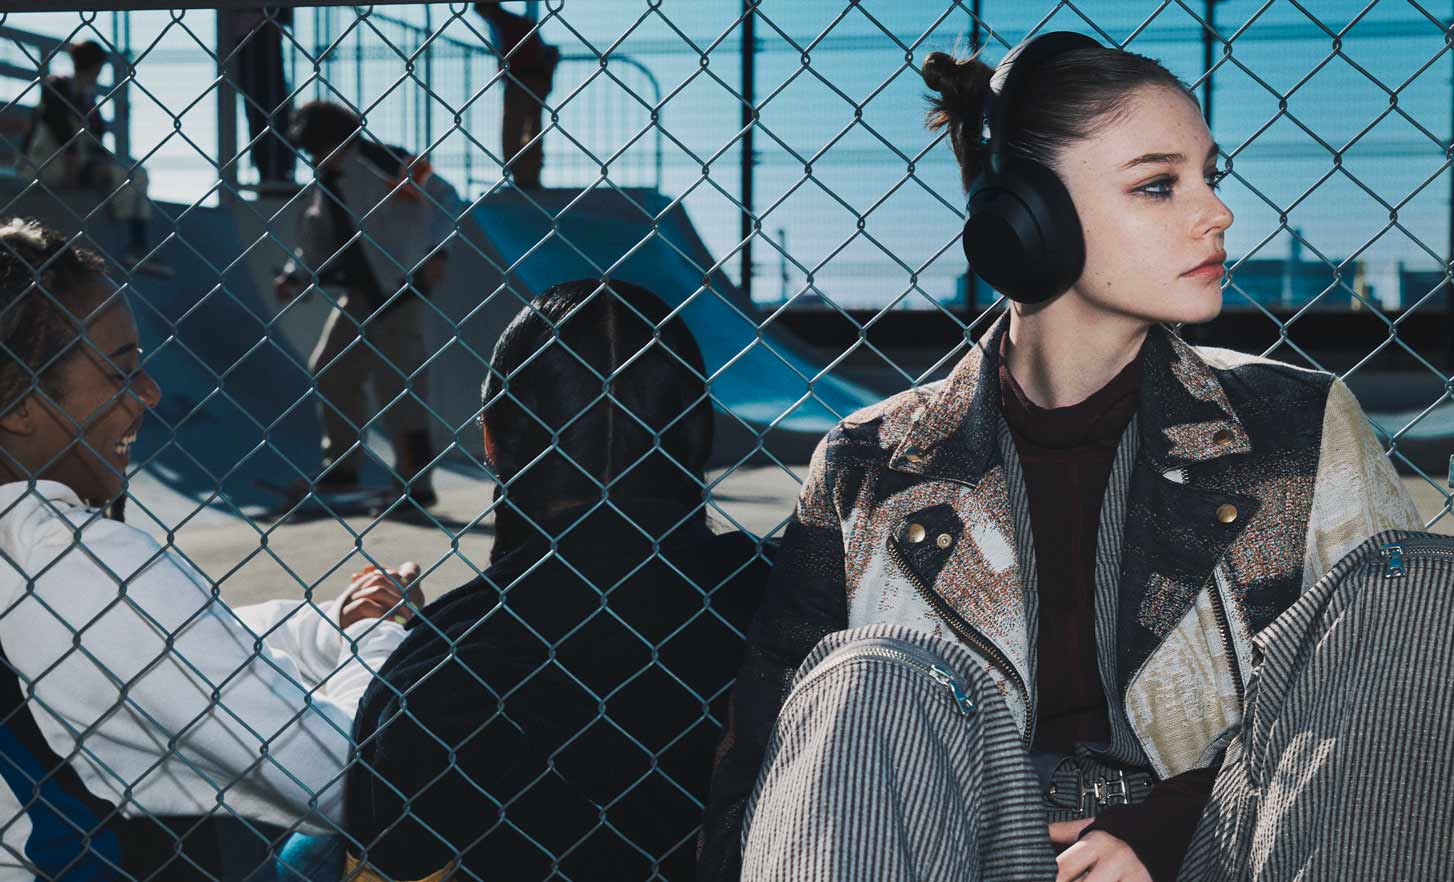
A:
[(1023, 236)]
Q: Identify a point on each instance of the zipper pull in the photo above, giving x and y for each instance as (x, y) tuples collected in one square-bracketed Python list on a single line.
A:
[(1393, 553), (961, 698)]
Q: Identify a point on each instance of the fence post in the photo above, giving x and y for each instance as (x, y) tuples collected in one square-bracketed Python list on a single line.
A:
[(226, 114), (749, 125), (1210, 18)]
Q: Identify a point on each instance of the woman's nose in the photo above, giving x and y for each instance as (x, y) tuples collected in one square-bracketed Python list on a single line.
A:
[(147, 389), (1219, 217)]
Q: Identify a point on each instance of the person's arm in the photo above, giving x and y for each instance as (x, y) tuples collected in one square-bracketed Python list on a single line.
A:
[(805, 601), (1357, 494), (129, 651), (312, 634), (444, 210), (57, 114), (316, 243)]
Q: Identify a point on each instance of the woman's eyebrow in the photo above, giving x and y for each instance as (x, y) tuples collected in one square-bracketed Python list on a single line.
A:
[(1172, 158), (125, 350), (1155, 158)]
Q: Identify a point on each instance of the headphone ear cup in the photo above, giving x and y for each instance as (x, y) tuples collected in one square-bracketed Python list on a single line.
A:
[(1023, 236)]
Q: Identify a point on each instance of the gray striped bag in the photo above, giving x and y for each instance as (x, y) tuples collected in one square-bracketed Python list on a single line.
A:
[(1344, 769), (895, 758)]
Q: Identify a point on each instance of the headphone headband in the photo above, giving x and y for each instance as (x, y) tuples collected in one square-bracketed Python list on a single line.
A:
[(1022, 59), (1022, 234)]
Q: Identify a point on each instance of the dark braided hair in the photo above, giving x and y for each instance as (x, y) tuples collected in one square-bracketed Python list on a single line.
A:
[(1066, 100), (545, 380), (43, 285)]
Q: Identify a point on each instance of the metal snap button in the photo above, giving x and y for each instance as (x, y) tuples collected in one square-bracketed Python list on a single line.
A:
[(915, 534), (944, 540), (913, 455), (1222, 438), (1226, 513)]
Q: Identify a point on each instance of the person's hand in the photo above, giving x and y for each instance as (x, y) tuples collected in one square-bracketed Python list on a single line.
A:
[(286, 288), (1065, 833), (375, 593), (1100, 857)]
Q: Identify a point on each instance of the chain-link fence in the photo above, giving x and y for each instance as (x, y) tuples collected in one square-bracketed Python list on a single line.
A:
[(327, 330)]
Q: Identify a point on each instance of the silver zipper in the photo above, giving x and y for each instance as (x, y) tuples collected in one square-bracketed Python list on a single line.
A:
[(1393, 557), (967, 635), (938, 674)]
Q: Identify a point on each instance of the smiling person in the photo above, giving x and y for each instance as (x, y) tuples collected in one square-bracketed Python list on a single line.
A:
[(1079, 532), (134, 702)]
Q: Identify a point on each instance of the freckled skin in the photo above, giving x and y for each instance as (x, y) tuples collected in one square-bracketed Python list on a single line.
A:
[(1145, 227), (1138, 246)]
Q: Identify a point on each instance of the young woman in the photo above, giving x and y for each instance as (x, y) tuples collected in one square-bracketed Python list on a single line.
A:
[(556, 717), (1096, 515), (132, 701)]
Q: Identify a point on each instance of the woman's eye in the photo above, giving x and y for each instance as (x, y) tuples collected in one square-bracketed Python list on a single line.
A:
[(1215, 177), (1159, 189)]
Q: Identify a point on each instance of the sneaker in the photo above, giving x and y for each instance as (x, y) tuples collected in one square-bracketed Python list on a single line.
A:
[(149, 263)]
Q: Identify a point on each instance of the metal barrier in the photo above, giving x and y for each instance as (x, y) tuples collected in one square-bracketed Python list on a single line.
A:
[(402, 257)]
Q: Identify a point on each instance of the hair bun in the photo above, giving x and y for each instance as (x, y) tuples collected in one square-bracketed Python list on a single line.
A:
[(940, 72), (23, 231)]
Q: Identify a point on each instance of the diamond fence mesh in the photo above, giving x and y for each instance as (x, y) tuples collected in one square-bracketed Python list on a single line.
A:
[(323, 240)]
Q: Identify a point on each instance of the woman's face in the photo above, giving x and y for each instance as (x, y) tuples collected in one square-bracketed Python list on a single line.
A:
[(1144, 189), (83, 438)]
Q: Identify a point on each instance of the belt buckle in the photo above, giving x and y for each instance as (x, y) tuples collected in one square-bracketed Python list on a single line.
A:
[(1102, 790)]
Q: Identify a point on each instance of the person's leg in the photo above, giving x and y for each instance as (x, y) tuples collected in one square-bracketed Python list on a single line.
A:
[(524, 117), (340, 365), (261, 80), (125, 188), (882, 768), (1342, 765), (400, 339)]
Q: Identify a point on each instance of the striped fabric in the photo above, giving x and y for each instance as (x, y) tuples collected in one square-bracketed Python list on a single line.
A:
[(1343, 766), (1124, 750), (876, 773)]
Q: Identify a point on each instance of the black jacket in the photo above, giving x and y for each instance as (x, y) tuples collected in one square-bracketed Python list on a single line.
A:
[(582, 691)]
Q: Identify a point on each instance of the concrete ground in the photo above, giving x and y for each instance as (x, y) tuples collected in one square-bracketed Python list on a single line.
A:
[(266, 560)]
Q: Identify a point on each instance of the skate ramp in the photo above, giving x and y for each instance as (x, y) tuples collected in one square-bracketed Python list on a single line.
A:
[(238, 405), (769, 387)]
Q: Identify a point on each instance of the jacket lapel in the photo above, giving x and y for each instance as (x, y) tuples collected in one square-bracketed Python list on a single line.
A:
[(1176, 529), (950, 483)]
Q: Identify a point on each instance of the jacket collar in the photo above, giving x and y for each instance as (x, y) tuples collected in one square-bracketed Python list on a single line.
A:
[(1183, 413)]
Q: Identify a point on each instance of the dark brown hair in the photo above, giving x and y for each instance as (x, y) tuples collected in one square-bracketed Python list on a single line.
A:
[(44, 303), (596, 383), (1066, 99), (87, 56), (320, 127)]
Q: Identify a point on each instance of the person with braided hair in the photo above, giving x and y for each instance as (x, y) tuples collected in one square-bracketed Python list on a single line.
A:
[(139, 714)]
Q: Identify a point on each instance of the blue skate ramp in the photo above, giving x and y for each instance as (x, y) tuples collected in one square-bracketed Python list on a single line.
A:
[(764, 378)]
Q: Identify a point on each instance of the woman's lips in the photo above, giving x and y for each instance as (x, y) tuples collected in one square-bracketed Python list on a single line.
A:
[(1207, 271)]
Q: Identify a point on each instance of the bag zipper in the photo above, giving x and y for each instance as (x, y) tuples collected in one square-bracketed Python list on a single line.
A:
[(1393, 555), (966, 634), (935, 672)]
